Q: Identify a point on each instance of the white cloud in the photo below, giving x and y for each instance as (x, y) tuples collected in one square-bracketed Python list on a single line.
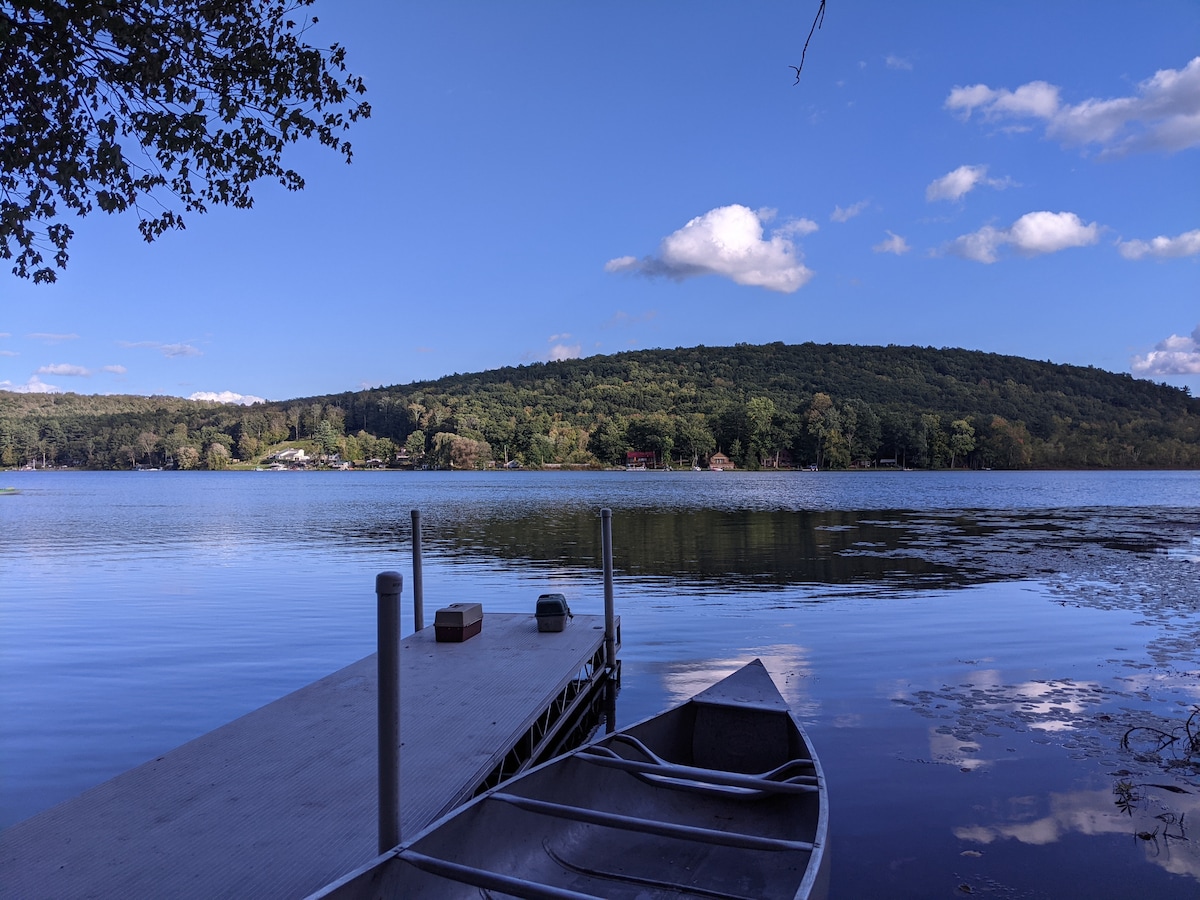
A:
[(34, 385), (955, 185), (845, 215), (115, 370), (51, 338), (64, 369), (1162, 247), (562, 351), (226, 397), (173, 350), (897, 62), (621, 264), (9, 353), (1162, 114), (980, 245), (893, 244), (1033, 234), (727, 241), (1177, 355), (801, 227), (5, 334), (1046, 232)]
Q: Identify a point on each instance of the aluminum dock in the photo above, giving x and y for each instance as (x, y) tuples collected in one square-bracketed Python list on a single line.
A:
[(284, 800)]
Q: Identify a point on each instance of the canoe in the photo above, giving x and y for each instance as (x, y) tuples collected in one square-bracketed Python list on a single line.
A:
[(721, 796)]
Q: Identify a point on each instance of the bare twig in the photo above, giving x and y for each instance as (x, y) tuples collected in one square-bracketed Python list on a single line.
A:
[(817, 23)]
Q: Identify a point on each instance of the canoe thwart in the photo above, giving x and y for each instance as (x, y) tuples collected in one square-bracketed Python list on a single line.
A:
[(491, 881), (650, 826)]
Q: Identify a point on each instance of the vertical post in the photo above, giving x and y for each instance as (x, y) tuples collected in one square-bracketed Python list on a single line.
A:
[(418, 583), (610, 629), (387, 592)]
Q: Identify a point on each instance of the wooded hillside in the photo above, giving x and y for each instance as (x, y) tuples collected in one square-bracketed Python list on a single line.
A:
[(776, 405)]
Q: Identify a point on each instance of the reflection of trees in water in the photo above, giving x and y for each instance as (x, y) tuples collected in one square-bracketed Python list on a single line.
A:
[(769, 548), (747, 547)]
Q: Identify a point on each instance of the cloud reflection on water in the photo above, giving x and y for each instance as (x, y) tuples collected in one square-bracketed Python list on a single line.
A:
[(1155, 823), (788, 665)]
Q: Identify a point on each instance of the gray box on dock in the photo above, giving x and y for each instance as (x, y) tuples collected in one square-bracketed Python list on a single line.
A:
[(552, 612), (457, 622)]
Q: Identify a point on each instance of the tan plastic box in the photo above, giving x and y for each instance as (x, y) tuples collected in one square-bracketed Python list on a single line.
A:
[(458, 622)]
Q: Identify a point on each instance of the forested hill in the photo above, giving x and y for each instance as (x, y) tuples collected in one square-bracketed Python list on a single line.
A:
[(774, 405)]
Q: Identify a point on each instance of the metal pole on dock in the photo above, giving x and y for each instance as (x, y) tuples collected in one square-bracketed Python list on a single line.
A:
[(418, 583), (610, 625), (610, 630), (387, 592)]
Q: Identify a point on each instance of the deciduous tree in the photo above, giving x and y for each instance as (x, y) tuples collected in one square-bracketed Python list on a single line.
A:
[(163, 107)]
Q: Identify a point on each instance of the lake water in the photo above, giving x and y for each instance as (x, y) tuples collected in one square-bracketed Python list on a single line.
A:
[(969, 651)]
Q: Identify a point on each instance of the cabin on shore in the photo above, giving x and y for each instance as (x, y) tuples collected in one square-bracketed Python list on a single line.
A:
[(720, 461), (641, 459)]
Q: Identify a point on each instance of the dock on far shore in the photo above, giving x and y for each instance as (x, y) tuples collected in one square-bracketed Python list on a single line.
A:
[(285, 799)]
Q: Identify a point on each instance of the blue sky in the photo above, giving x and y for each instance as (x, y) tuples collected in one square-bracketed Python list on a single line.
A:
[(541, 181)]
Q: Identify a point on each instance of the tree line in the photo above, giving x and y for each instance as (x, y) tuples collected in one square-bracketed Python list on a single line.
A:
[(833, 406)]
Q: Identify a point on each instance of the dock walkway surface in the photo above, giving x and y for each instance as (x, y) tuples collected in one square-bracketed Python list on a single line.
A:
[(284, 800)]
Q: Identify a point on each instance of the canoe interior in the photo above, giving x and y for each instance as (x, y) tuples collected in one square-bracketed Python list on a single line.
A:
[(581, 858)]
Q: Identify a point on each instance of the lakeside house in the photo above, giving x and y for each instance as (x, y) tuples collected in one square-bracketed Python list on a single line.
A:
[(720, 461), (291, 455), (640, 459)]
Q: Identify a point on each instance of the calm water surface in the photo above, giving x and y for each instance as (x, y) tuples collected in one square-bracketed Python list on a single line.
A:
[(969, 651)]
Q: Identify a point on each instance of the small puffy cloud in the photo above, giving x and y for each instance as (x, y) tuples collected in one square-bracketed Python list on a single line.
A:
[(1046, 232), (563, 351), (34, 385), (894, 244), (1177, 355), (1162, 114), (727, 241), (226, 397), (9, 353), (1033, 234), (621, 264), (1162, 247), (979, 246), (845, 215), (115, 370), (799, 227), (49, 338), (955, 185), (897, 62)]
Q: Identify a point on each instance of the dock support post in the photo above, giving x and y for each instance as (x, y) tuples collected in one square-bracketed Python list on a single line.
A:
[(418, 582), (610, 627), (387, 592)]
